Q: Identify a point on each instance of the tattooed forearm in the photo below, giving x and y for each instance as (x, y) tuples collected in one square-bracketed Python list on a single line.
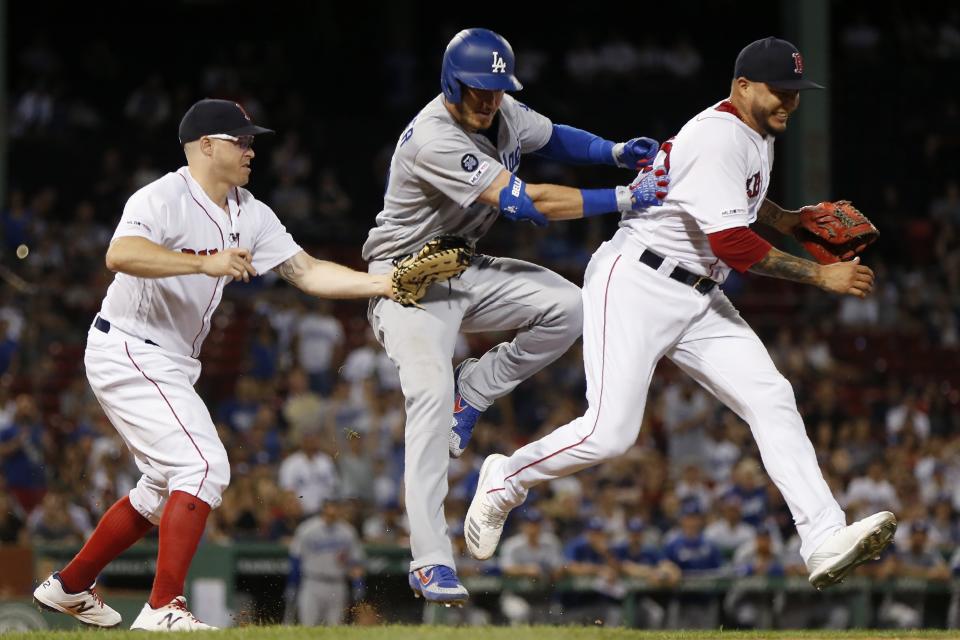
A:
[(778, 264), (774, 215), (292, 270)]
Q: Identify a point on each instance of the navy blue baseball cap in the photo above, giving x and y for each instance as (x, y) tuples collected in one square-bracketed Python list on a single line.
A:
[(774, 61), (596, 523), (210, 117), (691, 507), (532, 514)]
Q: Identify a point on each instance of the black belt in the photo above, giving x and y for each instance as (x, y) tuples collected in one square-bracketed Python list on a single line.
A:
[(702, 284), (104, 325)]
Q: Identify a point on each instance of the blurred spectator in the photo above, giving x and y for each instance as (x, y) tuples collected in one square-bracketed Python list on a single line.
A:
[(908, 415), (685, 407), (387, 525), (319, 340), (590, 556), (264, 353), (695, 556), (536, 554), (326, 567), (642, 561), (906, 610), (22, 456), (729, 532), (355, 464), (749, 486), (13, 529), (759, 608), (239, 410), (304, 409), (871, 493), (309, 472), (149, 105), (58, 521)]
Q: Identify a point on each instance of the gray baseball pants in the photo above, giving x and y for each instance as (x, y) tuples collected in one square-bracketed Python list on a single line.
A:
[(493, 294)]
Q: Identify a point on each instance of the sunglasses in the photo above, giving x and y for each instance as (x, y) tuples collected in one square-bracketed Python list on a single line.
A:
[(243, 142)]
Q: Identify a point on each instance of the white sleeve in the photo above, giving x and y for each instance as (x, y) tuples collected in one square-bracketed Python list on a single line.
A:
[(533, 128), (273, 244), (286, 475), (455, 166), (143, 217), (708, 171)]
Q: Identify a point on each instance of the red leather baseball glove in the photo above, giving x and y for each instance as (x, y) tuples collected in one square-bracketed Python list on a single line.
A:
[(834, 231)]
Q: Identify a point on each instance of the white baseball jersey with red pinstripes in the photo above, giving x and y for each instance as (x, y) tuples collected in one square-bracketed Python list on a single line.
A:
[(143, 366), (176, 213), (635, 314)]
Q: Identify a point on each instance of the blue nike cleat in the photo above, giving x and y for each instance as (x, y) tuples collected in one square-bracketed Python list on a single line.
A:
[(464, 417), (438, 583)]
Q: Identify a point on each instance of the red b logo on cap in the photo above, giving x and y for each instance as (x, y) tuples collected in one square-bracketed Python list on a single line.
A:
[(798, 64)]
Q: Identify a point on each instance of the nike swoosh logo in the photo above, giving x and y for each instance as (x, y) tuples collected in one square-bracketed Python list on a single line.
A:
[(458, 405), (424, 578)]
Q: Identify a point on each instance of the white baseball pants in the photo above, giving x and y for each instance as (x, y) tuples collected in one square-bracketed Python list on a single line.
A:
[(148, 395), (633, 316)]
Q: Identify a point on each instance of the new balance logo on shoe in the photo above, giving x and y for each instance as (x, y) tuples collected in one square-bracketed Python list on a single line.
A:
[(169, 619), (80, 608)]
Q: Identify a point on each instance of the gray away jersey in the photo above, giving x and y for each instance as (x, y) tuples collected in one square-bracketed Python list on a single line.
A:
[(437, 172), (326, 551)]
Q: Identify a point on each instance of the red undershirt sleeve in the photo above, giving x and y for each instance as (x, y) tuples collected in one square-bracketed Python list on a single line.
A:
[(739, 247)]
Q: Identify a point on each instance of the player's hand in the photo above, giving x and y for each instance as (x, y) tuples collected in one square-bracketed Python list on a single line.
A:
[(648, 190), (236, 263), (847, 278), (635, 153)]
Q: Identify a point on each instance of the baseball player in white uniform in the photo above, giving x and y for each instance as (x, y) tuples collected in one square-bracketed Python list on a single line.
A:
[(452, 174), (180, 241), (651, 292)]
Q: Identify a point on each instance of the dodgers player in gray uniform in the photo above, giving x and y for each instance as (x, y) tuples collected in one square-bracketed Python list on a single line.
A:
[(452, 173), (325, 552)]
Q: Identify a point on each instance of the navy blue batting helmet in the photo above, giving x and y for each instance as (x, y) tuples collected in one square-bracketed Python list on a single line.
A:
[(478, 58)]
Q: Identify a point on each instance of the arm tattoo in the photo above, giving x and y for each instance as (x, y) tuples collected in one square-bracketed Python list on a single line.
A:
[(775, 216), (292, 270), (778, 264)]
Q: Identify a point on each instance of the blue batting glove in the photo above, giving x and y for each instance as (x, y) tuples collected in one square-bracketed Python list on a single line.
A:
[(636, 153), (648, 190), (518, 206), (537, 218)]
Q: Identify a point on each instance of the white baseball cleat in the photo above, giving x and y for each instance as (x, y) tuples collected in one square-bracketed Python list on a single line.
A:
[(850, 547), (171, 617), (86, 606), (484, 522)]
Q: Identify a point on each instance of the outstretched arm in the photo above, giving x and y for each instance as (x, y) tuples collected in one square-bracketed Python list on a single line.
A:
[(325, 279), (541, 202), (576, 146)]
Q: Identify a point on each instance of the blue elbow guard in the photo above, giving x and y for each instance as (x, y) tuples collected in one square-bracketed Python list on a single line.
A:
[(515, 204), (569, 144)]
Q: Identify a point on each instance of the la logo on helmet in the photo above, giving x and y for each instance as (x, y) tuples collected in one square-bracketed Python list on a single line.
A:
[(498, 66)]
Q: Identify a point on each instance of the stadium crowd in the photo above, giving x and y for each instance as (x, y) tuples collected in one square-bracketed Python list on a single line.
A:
[(309, 408)]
